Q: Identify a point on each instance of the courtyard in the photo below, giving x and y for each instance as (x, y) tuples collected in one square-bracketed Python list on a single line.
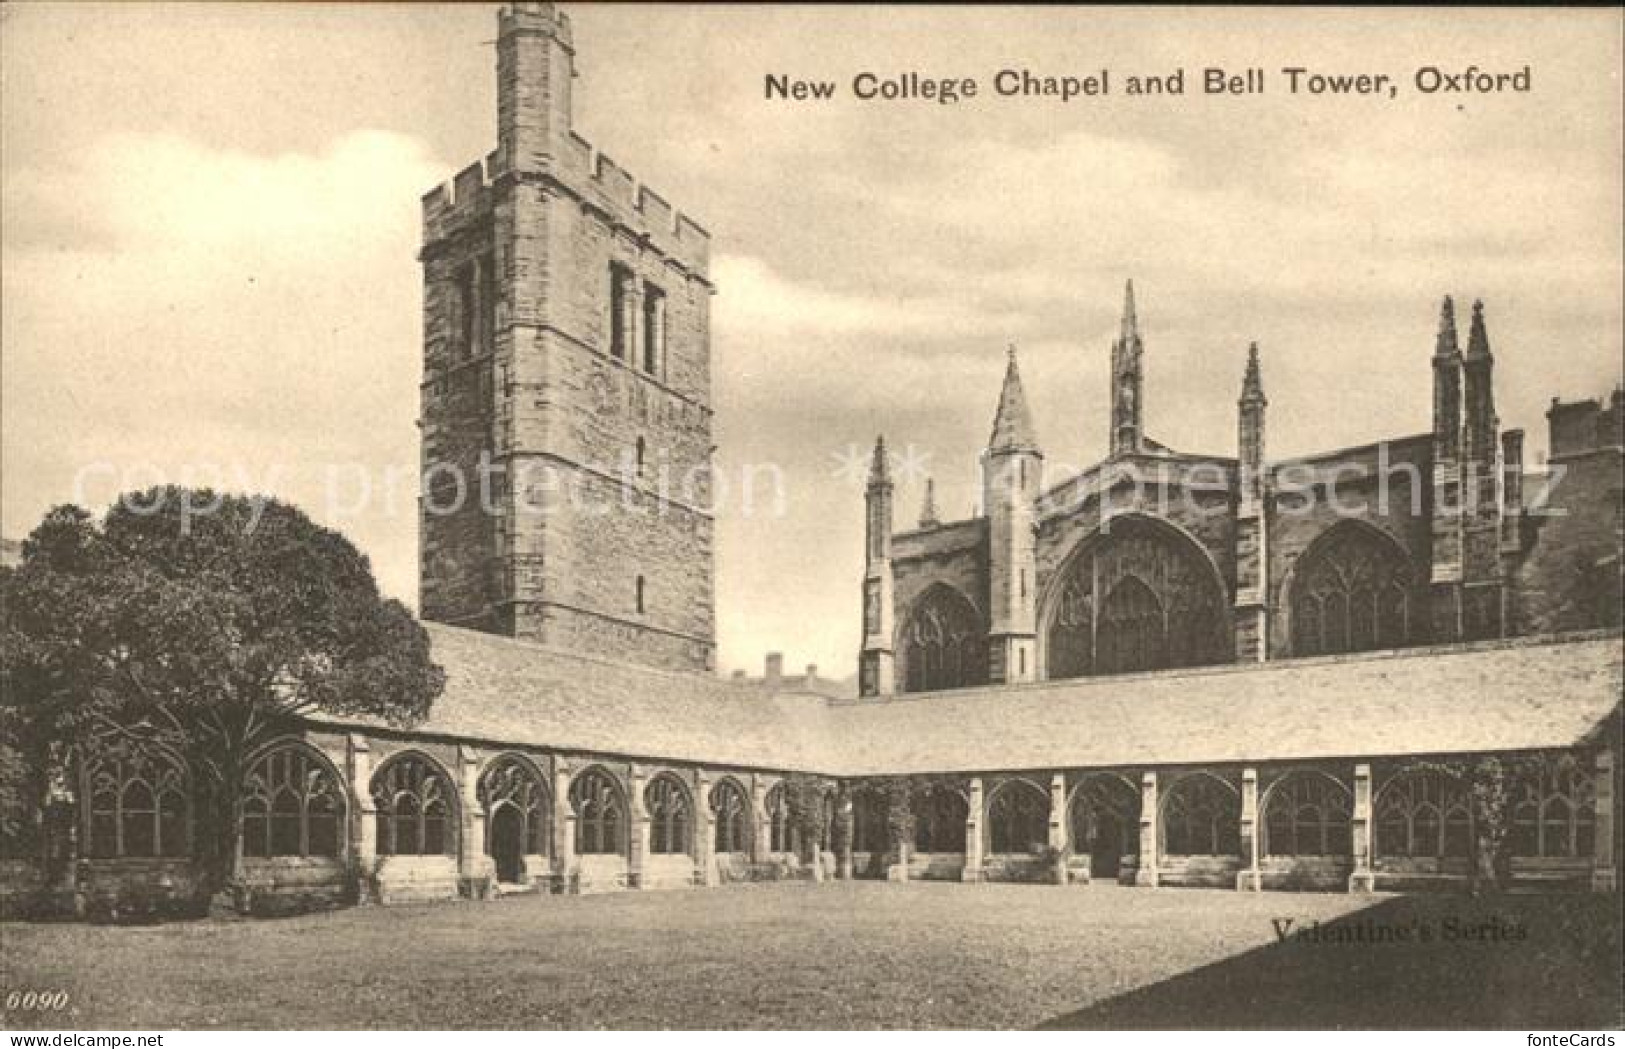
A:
[(847, 955)]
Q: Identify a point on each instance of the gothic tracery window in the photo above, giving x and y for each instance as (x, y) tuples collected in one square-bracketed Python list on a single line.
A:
[(731, 812), (671, 816), (1105, 817), (1307, 815), (778, 819), (1351, 592), (292, 805), (1553, 815), (413, 799), (138, 802), (1201, 817), (1140, 597), (1422, 813), (600, 813), (871, 822), (943, 644), (1018, 818)]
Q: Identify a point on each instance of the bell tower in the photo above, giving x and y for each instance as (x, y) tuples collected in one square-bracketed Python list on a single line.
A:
[(566, 398)]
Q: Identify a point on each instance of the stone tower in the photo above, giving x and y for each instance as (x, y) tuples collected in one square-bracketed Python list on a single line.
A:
[(566, 399), (1252, 519), (1011, 469)]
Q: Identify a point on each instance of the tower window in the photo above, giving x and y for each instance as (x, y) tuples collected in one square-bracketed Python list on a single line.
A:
[(643, 453), (467, 307), (654, 330), (620, 311), (640, 589)]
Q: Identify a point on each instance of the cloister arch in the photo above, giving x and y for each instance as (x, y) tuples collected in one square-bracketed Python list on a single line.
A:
[(1307, 813), (670, 808), (518, 814), (1103, 822), (416, 806), (1017, 818), (731, 817), (294, 803), (601, 817), (1200, 815), (140, 801)]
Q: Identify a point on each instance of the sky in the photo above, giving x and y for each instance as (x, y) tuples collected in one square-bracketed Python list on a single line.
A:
[(210, 223)]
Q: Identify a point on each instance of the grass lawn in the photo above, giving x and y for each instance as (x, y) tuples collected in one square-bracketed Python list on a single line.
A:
[(844, 955)]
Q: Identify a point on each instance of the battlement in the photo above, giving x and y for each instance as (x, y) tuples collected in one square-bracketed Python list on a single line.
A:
[(1586, 426), (589, 174), (534, 18)]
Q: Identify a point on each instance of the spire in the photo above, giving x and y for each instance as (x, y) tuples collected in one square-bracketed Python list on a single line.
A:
[(928, 511), (1013, 425), (1447, 346), (1478, 341), (1128, 383), (879, 467), (1131, 323), (1252, 384)]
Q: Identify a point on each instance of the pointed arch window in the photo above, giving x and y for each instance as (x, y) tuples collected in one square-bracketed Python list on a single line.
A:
[(1202, 817), (731, 813), (939, 821), (139, 802), (1554, 815), (671, 816), (943, 643), (1351, 592), (1307, 815), (1422, 813), (1139, 596), (600, 814), (413, 799), (1018, 818), (292, 805), (510, 785)]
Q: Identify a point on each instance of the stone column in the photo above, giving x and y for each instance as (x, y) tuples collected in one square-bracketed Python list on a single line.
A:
[(1360, 827), (1146, 873), (1604, 872), (844, 845), (761, 828), (475, 872), (564, 828), (1249, 878), (1057, 824), (637, 845), (973, 833), (705, 853), (364, 824)]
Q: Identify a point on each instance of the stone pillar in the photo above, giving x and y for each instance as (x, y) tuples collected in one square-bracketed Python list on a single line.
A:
[(973, 833), (1360, 827), (761, 828), (364, 825), (1604, 872), (475, 871), (1146, 873), (844, 845), (637, 845), (564, 828), (1057, 824), (1249, 878), (705, 841)]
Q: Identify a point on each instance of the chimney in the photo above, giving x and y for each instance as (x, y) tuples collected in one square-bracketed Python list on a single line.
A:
[(775, 668), (739, 675), (812, 672)]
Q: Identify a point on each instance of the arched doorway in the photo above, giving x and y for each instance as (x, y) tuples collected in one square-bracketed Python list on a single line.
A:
[(507, 830), (518, 812), (1105, 825)]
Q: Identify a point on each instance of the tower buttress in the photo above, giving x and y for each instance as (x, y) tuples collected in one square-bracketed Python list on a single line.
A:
[(1482, 591), (1252, 520), (1128, 384), (1011, 469), (876, 659)]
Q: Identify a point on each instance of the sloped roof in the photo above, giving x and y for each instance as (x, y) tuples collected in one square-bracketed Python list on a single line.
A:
[(1012, 423), (1509, 696), (1517, 695), (501, 690)]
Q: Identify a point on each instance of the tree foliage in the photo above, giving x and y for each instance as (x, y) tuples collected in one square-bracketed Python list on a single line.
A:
[(205, 622)]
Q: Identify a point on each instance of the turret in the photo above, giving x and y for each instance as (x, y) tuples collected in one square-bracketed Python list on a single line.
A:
[(1252, 521), (928, 507), (535, 64), (1128, 431), (876, 658), (1482, 590), (1011, 470), (1445, 577)]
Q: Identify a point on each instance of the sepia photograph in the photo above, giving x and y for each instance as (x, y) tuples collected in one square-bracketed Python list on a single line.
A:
[(646, 517)]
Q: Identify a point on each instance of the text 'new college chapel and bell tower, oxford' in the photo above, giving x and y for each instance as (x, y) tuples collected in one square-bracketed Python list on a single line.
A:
[(566, 357)]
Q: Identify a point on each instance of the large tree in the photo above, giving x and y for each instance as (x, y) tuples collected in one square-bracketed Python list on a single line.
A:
[(203, 621)]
